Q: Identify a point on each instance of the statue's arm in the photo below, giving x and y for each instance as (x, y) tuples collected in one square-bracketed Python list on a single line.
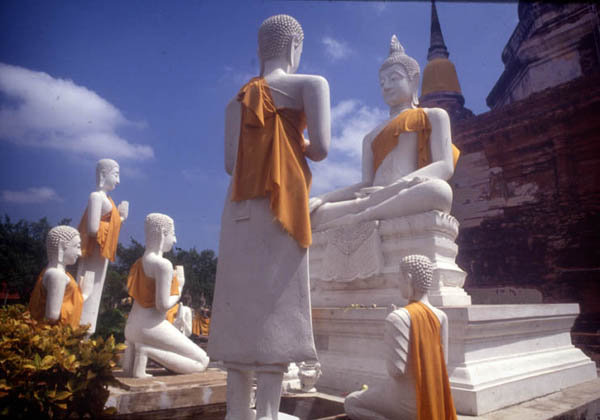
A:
[(187, 321), (442, 165), (233, 120), (317, 108), (397, 342), (444, 335), (163, 276), (55, 283), (94, 212)]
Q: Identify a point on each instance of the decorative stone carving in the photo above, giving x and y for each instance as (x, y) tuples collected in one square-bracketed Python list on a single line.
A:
[(415, 369), (261, 317), (155, 288), (404, 193), (99, 229)]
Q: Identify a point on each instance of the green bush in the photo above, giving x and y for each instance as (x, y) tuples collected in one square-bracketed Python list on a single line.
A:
[(51, 371)]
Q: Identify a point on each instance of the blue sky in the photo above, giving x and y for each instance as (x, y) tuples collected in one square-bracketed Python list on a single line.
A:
[(146, 83)]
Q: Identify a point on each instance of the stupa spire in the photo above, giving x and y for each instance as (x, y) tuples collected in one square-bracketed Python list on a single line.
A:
[(437, 47)]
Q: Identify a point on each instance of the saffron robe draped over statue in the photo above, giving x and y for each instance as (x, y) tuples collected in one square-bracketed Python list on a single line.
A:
[(107, 237), (270, 160), (143, 288), (261, 307), (411, 120), (426, 358), (72, 305)]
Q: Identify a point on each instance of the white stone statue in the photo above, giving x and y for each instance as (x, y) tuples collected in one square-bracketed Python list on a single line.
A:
[(56, 297), (261, 319), (396, 396), (183, 320), (398, 186), (155, 289), (402, 205), (99, 229)]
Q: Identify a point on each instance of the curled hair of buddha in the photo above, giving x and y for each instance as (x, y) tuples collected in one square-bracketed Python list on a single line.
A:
[(275, 35), (421, 270), (155, 224), (103, 168), (398, 56), (56, 235)]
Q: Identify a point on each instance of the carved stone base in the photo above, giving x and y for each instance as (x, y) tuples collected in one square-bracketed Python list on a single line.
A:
[(359, 264), (499, 355)]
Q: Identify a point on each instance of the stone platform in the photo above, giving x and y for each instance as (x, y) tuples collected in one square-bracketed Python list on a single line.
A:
[(499, 355), (163, 395)]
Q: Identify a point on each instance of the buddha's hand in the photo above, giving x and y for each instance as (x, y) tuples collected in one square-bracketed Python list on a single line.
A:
[(123, 209), (314, 203), (408, 182)]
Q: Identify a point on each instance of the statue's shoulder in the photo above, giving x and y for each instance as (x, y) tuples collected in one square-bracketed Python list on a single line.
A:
[(437, 116), (311, 81), (399, 318), (53, 275)]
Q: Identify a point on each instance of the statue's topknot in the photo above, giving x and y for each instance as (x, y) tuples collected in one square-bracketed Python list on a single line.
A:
[(275, 35), (56, 235), (398, 56), (421, 270)]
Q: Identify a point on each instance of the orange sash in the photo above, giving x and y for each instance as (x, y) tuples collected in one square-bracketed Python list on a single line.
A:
[(426, 356), (72, 305), (171, 313), (196, 320), (270, 159), (143, 288), (407, 121), (108, 233)]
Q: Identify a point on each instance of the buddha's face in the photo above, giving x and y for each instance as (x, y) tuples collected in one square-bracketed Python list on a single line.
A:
[(169, 240), (396, 87), (72, 250), (111, 179)]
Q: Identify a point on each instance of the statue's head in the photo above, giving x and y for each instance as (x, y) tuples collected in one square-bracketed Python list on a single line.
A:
[(160, 232), (399, 76), (418, 275), (107, 174), (63, 245), (280, 36)]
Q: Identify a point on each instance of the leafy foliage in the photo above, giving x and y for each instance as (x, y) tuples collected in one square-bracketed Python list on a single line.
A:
[(51, 371)]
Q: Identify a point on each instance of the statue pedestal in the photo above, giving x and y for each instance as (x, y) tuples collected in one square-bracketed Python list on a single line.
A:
[(360, 264), (499, 355)]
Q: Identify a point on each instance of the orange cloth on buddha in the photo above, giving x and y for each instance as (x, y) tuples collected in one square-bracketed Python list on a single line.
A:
[(172, 313), (72, 305), (270, 159), (426, 357), (143, 288), (107, 236), (407, 121), (196, 329)]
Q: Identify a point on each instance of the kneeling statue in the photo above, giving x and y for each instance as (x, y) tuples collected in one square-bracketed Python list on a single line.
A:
[(416, 339), (155, 288)]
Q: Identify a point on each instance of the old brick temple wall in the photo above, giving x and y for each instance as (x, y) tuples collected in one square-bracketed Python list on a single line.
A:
[(527, 194)]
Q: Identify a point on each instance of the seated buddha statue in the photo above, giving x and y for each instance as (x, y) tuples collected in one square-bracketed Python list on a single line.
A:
[(56, 297), (416, 341), (155, 288), (406, 160), (99, 229)]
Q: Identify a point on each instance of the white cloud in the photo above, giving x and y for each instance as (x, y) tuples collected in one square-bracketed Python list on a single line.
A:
[(351, 120), (30, 196), (42, 111), (335, 50)]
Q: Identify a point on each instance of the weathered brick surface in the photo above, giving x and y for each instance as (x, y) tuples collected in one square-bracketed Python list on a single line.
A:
[(527, 194)]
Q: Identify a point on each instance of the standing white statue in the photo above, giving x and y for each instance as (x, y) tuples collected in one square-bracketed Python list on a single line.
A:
[(156, 287), (416, 339), (99, 229), (261, 319), (406, 160), (56, 297)]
